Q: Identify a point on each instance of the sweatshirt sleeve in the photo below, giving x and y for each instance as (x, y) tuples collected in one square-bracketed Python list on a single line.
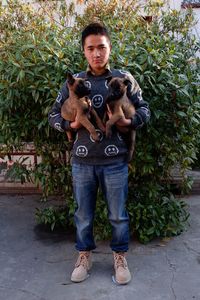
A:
[(54, 116), (134, 93)]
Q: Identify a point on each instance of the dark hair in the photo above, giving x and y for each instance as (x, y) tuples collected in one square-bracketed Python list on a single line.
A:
[(94, 28)]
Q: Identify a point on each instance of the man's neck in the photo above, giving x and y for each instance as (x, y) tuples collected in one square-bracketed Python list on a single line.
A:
[(99, 72)]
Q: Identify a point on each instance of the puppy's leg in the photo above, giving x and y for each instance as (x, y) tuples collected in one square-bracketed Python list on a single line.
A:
[(115, 118), (98, 120), (123, 129), (69, 136), (88, 125), (105, 118), (131, 145)]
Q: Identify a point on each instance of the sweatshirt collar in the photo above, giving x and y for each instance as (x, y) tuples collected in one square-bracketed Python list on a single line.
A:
[(89, 70)]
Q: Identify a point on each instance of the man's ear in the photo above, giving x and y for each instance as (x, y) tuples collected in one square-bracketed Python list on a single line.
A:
[(127, 81), (70, 78)]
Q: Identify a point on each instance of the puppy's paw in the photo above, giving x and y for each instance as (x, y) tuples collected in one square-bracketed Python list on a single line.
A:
[(103, 128), (95, 137)]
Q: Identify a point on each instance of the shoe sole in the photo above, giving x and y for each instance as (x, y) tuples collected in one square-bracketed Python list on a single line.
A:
[(78, 281), (119, 283)]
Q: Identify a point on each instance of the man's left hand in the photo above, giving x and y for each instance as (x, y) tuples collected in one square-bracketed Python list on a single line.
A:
[(123, 122)]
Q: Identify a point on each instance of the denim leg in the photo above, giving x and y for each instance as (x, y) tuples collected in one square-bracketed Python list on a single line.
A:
[(114, 184), (85, 185)]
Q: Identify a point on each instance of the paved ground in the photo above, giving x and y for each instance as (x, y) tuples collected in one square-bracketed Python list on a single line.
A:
[(36, 265)]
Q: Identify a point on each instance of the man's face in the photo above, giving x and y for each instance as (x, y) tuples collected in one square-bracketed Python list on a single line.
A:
[(97, 51)]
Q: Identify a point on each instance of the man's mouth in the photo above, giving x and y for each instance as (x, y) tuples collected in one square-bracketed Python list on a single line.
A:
[(98, 61)]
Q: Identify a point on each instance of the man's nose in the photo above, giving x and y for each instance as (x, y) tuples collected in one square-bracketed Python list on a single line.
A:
[(96, 52)]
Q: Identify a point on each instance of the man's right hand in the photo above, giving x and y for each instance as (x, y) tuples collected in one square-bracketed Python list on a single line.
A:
[(75, 124)]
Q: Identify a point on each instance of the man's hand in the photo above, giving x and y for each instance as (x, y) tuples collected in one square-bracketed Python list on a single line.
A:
[(75, 124), (122, 122)]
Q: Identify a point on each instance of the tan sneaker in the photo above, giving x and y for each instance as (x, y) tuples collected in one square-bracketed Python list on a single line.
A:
[(122, 273), (82, 266)]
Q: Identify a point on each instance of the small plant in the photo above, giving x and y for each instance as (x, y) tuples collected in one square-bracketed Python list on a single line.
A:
[(165, 217), (53, 218), (19, 171)]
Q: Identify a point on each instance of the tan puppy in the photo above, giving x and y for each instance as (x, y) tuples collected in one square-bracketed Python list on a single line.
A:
[(78, 105), (120, 106)]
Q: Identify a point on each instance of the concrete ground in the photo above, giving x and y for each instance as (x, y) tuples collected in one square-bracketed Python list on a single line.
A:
[(36, 265)]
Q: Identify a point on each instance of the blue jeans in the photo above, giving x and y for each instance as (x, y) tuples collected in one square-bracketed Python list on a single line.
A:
[(113, 181)]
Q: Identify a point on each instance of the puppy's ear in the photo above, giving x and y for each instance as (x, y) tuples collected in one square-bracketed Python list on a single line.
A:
[(126, 81), (70, 78), (109, 79)]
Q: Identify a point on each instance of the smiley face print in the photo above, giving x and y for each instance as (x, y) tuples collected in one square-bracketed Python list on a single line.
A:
[(81, 151), (97, 101), (111, 150)]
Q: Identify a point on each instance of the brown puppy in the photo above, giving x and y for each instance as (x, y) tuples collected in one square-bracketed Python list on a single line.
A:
[(79, 105), (120, 106)]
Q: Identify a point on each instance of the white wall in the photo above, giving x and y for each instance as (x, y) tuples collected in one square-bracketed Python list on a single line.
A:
[(176, 4)]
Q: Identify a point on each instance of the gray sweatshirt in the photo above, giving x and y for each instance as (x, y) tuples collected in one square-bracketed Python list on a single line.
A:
[(108, 150)]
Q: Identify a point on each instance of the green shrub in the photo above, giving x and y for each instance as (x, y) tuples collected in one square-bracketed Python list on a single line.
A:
[(35, 53), (160, 215), (52, 217)]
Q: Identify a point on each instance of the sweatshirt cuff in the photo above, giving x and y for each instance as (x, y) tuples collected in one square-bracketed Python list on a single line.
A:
[(136, 122), (65, 125)]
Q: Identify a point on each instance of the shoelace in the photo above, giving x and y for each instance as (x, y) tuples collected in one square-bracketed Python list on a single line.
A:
[(82, 260), (120, 260)]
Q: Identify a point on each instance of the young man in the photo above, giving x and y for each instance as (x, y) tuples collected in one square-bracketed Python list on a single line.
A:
[(101, 164)]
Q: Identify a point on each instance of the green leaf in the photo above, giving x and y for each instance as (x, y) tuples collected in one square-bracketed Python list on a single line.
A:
[(181, 114), (21, 75), (16, 64)]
